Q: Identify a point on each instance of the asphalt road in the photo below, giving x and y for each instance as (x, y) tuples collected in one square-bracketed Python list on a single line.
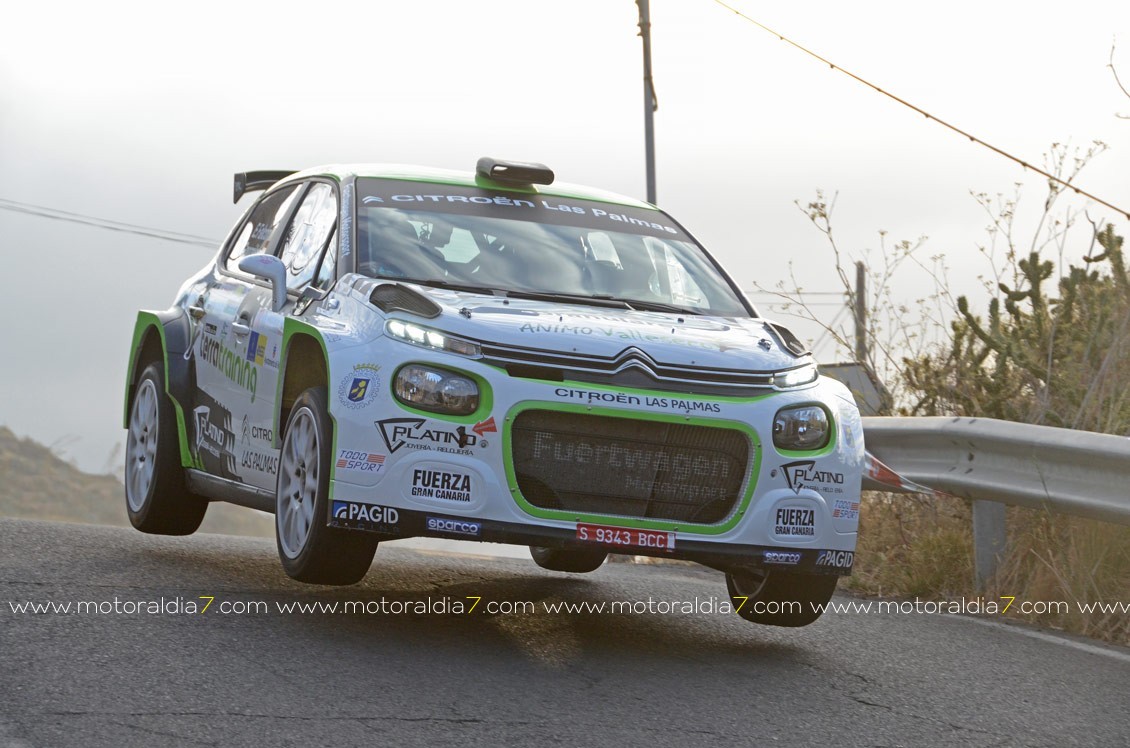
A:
[(482, 678)]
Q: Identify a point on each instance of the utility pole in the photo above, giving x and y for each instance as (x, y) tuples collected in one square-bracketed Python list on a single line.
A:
[(860, 313), (650, 102)]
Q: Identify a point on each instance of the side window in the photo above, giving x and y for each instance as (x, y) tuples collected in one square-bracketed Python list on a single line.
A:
[(309, 233), (255, 236)]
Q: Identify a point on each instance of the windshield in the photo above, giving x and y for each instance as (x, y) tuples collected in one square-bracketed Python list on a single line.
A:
[(492, 240)]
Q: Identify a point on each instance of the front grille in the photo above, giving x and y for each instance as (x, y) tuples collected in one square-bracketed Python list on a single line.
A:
[(579, 462), (631, 367)]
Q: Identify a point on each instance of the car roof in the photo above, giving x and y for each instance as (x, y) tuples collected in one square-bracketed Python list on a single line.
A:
[(344, 172)]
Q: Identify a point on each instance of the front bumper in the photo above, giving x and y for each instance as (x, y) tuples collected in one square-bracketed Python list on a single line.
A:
[(723, 556)]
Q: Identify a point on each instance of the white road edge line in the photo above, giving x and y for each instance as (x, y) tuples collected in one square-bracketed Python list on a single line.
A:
[(1096, 649)]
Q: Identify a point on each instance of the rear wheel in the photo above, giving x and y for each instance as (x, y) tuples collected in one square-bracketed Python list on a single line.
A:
[(779, 598), (575, 560), (157, 500), (310, 550)]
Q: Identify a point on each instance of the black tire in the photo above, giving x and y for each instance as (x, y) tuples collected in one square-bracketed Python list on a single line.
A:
[(797, 599), (309, 549), (157, 500), (575, 560)]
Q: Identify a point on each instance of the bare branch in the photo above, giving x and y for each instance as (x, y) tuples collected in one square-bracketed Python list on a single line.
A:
[(1114, 72)]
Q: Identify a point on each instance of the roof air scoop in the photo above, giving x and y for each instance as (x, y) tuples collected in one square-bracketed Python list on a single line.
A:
[(513, 172)]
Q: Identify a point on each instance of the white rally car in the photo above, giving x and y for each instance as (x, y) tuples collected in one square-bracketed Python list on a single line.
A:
[(382, 352)]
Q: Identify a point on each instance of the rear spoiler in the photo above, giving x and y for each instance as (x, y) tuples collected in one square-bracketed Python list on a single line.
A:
[(249, 181)]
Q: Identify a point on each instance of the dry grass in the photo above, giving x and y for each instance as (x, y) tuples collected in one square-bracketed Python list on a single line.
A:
[(916, 547), (913, 547)]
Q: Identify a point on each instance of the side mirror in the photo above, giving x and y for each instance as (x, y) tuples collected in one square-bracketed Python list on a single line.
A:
[(270, 269)]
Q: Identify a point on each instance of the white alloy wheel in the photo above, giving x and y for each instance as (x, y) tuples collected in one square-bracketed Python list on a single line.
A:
[(141, 445), (298, 483)]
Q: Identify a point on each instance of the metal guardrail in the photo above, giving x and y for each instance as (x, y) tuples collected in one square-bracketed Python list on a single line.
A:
[(1040, 467), (997, 462)]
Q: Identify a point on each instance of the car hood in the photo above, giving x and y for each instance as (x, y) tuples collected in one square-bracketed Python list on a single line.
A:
[(747, 344)]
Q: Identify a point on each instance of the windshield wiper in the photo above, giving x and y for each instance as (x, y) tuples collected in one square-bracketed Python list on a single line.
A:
[(659, 306), (448, 285), (604, 300)]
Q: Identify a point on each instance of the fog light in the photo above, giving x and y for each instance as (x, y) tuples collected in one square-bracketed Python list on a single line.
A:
[(803, 427), (437, 390)]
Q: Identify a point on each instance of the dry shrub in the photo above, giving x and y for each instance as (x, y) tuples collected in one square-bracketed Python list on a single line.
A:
[(911, 546)]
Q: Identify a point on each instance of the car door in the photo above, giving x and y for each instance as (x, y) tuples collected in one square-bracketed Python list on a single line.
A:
[(228, 380), (307, 248)]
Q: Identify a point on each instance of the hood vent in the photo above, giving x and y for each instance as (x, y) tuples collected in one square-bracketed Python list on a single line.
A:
[(390, 297), (788, 341)]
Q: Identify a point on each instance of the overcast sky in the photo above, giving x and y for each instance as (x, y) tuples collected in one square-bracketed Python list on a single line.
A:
[(141, 112)]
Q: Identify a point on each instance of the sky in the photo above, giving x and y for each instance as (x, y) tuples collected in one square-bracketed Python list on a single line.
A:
[(142, 112)]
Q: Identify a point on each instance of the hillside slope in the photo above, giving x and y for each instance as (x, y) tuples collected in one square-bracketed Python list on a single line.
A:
[(37, 484)]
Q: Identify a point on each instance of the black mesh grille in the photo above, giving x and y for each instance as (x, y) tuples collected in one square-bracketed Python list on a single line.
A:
[(390, 296), (579, 462)]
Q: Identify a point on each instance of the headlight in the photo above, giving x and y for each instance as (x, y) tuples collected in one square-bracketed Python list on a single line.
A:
[(433, 339), (795, 377), (436, 390), (802, 427)]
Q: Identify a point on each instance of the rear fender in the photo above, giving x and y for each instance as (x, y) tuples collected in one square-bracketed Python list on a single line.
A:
[(164, 336)]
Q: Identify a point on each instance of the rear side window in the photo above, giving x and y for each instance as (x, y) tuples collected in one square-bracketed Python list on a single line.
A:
[(255, 236)]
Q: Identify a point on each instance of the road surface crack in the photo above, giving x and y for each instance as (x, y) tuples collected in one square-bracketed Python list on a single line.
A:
[(163, 733)]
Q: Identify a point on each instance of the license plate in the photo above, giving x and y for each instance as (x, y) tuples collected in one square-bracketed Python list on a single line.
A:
[(626, 536)]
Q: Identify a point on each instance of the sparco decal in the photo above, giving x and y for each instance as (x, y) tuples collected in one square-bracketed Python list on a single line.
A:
[(803, 474), (412, 433), (781, 557), (371, 513), (836, 559), (454, 526), (795, 521), (441, 484), (230, 364)]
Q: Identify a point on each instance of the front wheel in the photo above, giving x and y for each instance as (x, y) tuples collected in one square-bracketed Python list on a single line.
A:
[(779, 598), (157, 500), (310, 550)]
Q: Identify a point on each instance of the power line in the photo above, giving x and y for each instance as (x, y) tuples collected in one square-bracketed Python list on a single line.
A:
[(803, 293), (926, 114), (106, 223)]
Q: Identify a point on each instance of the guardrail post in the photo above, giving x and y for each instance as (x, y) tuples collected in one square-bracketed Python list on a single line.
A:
[(989, 538)]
